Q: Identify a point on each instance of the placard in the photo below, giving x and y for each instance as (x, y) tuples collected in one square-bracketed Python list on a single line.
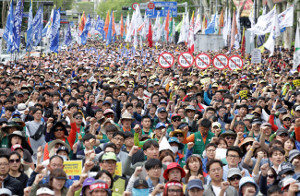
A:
[(165, 60), (185, 60), (256, 56), (235, 62), (203, 61), (73, 168), (220, 61)]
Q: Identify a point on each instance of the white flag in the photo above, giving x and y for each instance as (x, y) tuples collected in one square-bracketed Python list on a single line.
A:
[(130, 31), (286, 18), (156, 29), (197, 27), (184, 31), (138, 19), (252, 20), (227, 26), (264, 23), (270, 44), (297, 50)]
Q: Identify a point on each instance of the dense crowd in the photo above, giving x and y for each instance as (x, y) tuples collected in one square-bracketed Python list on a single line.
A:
[(141, 130)]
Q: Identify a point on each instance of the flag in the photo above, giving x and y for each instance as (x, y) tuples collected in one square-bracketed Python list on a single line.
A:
[(47, 28), (264, 23), (191, 41), (29, 28), (252, 21), (171, 29), (139, 23), (261, 38), (233, 31), (146, 27), (179, 25), (297, 49), (122, 27), (131, 27), (211, 26), (150, 43), (286, 18), (156, 29), (127, 24), (109, 32), (68, 37), (87, 28), (270, 43), (100, 27), (183, 36), (243, 43), (167, 25), (38, 26), (221, 22), (227, 26), (197, 26), (9, 28), (113, 25), (82, 22), (18, 24), (54, 39)]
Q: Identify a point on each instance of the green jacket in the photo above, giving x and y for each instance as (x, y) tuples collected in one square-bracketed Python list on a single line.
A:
[(199, 145)]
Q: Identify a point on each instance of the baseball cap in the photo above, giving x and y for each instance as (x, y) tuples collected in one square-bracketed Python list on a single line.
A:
[(195, 183), (266, 124), (175, 115), (5, 191), (297, 108), (106, 102), (175, 139), (162, 109), (88, 182), (217, 124), (109, 156), (139, 182), (282, 110), (163, 102), (234, 171), (256, 121), (16, 113), (62, 148), (15, 147), (159, 125), (285, 167), (281, 131), (108, 111), (44, 190)]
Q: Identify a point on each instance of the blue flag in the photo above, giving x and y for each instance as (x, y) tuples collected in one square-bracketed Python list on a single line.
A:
[(85, 31), (29, 29), (17, 25), (109, 32), (211, 26), (38, 26), (68, 38), (9, 28), (54, 34)]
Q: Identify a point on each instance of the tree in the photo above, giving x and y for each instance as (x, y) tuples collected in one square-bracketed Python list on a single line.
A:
[(87, 7)]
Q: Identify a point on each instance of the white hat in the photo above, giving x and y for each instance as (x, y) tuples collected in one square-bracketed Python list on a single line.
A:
[(5, 191), (21, 107), (164, 144), (44, 190)]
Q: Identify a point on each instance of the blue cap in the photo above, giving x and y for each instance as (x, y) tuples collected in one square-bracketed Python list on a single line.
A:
[(195, 183), (282, 110), (106, 102), (162, 109), (175, 139), (16, 113), (159, 125), (62, 148)]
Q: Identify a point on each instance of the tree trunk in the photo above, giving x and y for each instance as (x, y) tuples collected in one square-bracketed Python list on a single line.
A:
[(288, 33), (4, 13), (270, 4)]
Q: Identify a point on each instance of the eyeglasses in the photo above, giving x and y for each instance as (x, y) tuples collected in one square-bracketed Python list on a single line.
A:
[(230, 137), (178, 135), (270, 176), (215, 170), (78, 117), (176, 120), (119, 139), (58, 130), (233, 156), (233, 178), (174, 190)]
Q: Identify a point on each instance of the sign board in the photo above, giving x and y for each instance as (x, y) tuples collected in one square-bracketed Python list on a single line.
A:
[(185, 60), (204, 43), (69, 12), (134, 5), (220, 61), (296, 82), (165, 60), (256, 56), (172, 6), (151, 5), (73, 168), (118, 170), (203, 61), (235, 62)]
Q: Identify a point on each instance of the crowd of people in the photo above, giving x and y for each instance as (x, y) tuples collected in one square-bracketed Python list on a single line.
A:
[(141, 130)]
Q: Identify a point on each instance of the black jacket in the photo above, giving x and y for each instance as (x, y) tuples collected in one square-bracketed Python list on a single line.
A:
[(13, 185)]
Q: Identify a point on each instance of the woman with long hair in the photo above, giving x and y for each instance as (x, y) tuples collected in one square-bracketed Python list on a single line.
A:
[(16, 168), (194, 168)]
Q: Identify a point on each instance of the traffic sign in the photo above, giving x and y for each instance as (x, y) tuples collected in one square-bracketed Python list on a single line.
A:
[(235, 62), (151, 6), (170, 5), (165, 60), (185, 60), (134, 5), (203, 61), (220, 61)]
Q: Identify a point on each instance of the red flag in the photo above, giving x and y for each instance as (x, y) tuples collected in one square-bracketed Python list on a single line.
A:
[(150, 35), (191, 39), (122, 26), (106, 24), (167, 25), (113, 24), (82, 22)]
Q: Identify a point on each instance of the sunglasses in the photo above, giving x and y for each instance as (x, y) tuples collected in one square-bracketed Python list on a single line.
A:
[(78, 117), (178, 135), (176, 120), (230, 137), (14, 161), (287, 119), (233, 178), (109, 115), (270, 176), (58, 130)]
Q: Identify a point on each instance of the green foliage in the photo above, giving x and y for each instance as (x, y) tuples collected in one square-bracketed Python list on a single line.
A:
[(87, 7)]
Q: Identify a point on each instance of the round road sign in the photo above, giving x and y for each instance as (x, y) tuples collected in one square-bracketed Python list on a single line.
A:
[(134, 5), (203, 61), (235, 62), (220, 61), (185, 60), (151, 6), (165, 60)]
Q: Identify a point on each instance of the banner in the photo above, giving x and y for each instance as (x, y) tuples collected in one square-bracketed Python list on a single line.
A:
[(264, 23), (38, 26), (73, 168)]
